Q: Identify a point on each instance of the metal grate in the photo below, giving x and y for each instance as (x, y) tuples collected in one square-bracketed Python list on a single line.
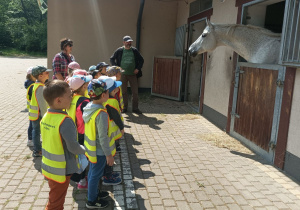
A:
[(290, 50), (179, 40), (199, 6)]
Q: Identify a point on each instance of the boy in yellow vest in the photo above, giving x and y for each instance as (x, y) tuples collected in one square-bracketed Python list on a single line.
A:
[(100, 148), (38, 106), (60, 145), (29, 86)]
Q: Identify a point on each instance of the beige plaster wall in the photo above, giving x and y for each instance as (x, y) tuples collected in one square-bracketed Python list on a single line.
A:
[(183, 12), (98, 26), (293, 143), (220, 62)]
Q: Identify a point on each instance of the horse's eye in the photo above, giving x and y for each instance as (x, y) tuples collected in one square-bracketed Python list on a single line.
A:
[(204, 35)]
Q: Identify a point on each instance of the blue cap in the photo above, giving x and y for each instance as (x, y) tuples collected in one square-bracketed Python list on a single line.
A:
[(115, 85)]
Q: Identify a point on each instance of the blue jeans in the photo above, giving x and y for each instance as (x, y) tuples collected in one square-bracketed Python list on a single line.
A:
[(94, 176), (36, 131), (29, 131)]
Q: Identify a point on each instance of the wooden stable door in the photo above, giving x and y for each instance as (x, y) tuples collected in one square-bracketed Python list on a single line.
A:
[(255, 105)]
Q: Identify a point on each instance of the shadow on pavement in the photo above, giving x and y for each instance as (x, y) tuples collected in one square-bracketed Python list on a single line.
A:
[(37, 163), (152, 122)]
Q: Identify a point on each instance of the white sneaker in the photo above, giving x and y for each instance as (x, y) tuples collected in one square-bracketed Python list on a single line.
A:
[(30, 143)]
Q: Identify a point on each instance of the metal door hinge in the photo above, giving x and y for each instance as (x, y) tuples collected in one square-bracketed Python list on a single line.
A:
[(272, 145), (280, 83), (235, 115)]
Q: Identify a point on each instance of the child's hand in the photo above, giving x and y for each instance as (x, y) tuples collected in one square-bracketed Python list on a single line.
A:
[(122, 131), (110, 160)]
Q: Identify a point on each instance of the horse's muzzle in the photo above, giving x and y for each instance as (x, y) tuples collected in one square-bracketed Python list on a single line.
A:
[(192, 53)]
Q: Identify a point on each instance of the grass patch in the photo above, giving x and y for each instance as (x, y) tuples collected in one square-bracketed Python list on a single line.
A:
[(20, 53)]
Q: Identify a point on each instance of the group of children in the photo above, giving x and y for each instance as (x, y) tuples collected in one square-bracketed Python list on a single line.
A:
[(81, 115)]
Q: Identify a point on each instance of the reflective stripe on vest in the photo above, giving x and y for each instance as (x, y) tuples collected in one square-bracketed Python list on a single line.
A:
[(72, 110), (121, 99), (90, 137), (27, 96), (53, 160), (34, 111)]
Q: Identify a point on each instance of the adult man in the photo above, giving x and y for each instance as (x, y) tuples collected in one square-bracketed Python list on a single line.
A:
[(61, 60), (131, 61)]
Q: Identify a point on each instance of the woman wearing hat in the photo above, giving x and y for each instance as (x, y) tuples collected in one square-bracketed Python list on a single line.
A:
[(61, 60)]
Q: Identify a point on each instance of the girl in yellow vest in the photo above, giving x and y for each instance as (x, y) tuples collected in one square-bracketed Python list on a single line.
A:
[(97, 140), (29, 86), (38, 106), (60, 145), (78, 85)]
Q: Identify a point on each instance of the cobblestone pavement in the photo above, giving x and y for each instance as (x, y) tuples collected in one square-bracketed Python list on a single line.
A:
[(171, 159)]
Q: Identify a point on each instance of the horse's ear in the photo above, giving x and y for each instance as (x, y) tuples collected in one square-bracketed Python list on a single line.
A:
[(208, 23)]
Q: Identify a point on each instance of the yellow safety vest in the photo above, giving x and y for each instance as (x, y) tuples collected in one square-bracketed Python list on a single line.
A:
[(90, 138), (86, 94), (34, 110), (53, 160), (27, 96), (72, 111)]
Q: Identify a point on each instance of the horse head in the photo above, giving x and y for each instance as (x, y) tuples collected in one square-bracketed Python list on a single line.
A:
[(206, 41)]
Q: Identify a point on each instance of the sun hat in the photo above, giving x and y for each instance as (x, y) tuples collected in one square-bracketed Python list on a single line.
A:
[(29, 70), (127, 39), (113, 70), (96, 87), (80, 72), (76, 81), (92, 68), (101, 64), (74, 65), (36, 70), (115, 85)]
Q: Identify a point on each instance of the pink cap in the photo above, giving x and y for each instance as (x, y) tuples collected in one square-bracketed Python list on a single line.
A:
[(80, 72), (77, 81), (74, 65), (29, 70)]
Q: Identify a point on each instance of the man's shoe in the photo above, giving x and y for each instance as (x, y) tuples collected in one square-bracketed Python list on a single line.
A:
[(124, 110), (37, 154), (137, 111), (102, 194), (99, 204), (111, 181)]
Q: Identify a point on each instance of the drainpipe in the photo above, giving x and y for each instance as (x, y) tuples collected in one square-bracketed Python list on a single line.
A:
[(138, 25)]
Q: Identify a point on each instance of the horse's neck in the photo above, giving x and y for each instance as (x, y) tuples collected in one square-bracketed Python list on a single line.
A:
[(237, 40)]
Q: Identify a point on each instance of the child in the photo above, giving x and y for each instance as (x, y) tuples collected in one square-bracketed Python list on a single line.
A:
[(115, 71), (59, 143), (78, 85), (71, 67), (117, 126), (38, 106), (99, 70), (81, 72), (100, 149), (29, 86)]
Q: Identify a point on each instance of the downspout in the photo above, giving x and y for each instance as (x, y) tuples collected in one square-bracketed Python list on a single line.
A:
[(138, 25)]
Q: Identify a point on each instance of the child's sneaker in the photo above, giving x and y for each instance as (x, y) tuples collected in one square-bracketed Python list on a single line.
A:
[(99, 204), (101, 195), (30, 143), (82, 184), (115, 174), (37, 154), (111, 181)]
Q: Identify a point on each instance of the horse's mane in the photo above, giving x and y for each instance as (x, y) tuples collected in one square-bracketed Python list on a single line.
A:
[(231, 28)]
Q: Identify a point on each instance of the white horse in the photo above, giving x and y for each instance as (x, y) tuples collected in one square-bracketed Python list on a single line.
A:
[(255, 44)]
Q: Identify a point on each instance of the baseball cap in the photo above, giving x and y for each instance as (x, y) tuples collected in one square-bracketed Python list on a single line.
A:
[(115, 85), (113, 70), (74, 65), (101, 64), (36, 70), (92, 68), (96, 87), (106, 77), (29, 70), (127, 39), (77, 81), (80, 72)]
